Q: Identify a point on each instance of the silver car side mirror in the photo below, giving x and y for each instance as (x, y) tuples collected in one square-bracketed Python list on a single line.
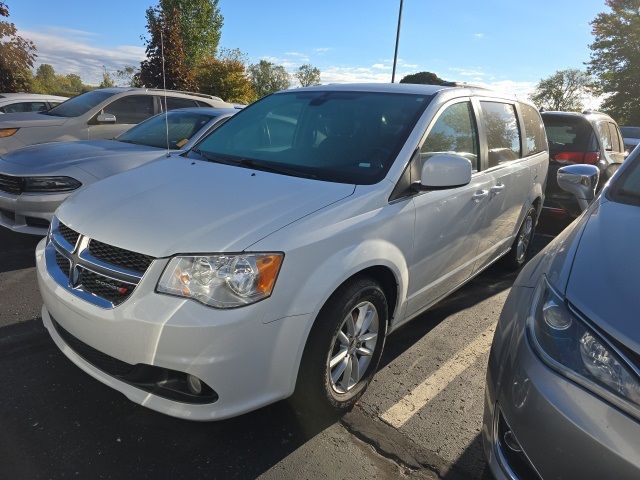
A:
[(106, 118), (581, 181)]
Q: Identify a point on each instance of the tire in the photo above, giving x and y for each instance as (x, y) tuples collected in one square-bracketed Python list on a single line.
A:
[(318, 390), (519, 253)]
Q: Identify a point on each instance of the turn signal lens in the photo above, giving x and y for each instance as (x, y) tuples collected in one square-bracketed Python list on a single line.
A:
[(7, 132)]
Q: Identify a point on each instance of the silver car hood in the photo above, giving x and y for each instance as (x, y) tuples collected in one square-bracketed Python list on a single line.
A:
[(180, 205), (100, 158), (30, 119), (605, 275)]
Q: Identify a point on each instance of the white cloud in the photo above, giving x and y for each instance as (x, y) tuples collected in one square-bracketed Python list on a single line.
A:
[(478, 35), (74, 51), (322, 50), (380, 66), (475, 72), (303, 57)]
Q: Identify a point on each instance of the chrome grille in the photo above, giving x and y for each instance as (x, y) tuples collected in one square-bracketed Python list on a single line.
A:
[(10, 184), (68, 234), (104, 275), (119, 256)]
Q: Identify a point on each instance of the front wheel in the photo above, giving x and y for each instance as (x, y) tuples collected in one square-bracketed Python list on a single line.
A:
[(518, 255), (343, 349)]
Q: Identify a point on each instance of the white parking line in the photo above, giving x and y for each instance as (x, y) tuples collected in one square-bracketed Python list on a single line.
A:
[(410, 404)]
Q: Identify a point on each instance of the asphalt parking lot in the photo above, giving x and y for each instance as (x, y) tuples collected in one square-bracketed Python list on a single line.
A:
[(420, 418)]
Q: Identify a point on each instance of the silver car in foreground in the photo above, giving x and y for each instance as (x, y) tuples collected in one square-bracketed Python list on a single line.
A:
[(563, 384), (35, 180)]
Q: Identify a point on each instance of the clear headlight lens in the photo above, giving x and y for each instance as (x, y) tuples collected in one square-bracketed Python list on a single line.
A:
[(7, 132), (50, 184), (572, 348), (222, 281)]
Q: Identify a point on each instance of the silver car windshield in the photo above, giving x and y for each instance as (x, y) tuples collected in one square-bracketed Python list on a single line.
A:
[(626, 188), (76, 106), (153, 132), (339, 136)]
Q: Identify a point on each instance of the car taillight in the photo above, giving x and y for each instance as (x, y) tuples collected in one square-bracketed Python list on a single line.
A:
[(591, 158)]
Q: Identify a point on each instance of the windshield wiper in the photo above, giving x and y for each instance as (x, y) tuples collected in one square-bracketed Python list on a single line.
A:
[(249, 163)]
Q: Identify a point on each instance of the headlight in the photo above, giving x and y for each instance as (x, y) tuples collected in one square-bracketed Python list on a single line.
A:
[(222, 281), (50, 184), (568, 345), (7, 132)]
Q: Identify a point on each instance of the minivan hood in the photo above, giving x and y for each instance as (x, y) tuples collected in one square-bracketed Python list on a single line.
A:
[(30, 119), (90, 155), (181, 205), (606, 272)]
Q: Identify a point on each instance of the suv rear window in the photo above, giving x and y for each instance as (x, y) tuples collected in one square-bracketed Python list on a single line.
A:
[(569, 134)]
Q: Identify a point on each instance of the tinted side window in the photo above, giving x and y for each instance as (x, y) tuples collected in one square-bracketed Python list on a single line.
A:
[(536, 139), (25, 107), (503, 132), (605, 135), (454, 131), (131, 109), (176, 102)]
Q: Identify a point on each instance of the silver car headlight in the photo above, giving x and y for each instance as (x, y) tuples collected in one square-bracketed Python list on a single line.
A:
[(568, 345), (222, 281)]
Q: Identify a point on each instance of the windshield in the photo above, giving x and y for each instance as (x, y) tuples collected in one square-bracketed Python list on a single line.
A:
[(569, 134), (626, 188), (630, 132), (153, 132), (76, 106), (347, 137)]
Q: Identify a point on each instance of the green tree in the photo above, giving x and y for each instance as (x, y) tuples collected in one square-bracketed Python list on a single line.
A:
[(107, 81), (225, 77), (127, 76), (267, 77), (562, 91), (199, 24), (16, 56), (46, 80), (308, 75), (615, 59), (425, 78), (165, 29)]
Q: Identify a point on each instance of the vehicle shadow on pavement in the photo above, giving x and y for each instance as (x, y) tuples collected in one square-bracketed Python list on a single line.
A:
[(57, 422), (17, 250), (485, 285)]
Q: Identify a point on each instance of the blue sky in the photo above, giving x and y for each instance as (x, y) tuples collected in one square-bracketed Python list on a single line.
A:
[(509, 44)]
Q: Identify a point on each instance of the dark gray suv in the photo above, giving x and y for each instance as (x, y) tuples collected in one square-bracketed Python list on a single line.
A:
[(589, 138)]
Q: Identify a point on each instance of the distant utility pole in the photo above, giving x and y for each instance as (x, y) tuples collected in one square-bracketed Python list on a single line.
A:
[(395, 55)]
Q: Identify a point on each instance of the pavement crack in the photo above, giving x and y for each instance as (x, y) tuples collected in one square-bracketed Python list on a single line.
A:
[(393, 445)]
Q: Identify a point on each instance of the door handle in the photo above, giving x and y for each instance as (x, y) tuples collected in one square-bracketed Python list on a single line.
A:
[(497, 189), (479, 195)]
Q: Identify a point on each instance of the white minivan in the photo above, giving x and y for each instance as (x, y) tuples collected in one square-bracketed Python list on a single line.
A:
[(274, 257)]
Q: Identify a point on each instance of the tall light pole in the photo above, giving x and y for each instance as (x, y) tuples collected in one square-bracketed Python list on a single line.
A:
[(395, 55)]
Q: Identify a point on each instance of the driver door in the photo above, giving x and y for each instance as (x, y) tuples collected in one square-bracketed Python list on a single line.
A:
[(129, 111), (448, 222)]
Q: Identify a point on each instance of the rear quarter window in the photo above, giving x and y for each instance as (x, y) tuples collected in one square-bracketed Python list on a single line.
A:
[(535, 136)]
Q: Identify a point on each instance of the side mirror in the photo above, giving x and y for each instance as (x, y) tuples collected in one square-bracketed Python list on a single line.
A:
[(581, 181), (443, 171), (106, 118)]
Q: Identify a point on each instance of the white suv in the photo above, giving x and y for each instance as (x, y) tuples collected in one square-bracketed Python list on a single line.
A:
[(275, 257), (99, 114), (28, 102)]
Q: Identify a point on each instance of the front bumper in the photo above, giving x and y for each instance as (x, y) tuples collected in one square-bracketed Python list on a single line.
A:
[(29, 213), (564, 430), (247, 359)]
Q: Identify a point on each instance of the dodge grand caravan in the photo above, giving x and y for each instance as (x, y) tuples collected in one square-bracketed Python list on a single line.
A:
[(273, 258)]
